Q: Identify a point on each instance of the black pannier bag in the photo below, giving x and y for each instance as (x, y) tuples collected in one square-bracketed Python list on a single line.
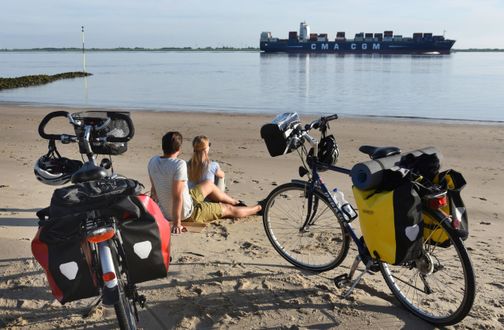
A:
[(116, 128), (276, 133), (427, 165), (104, 197), (146, 242), (60, 247)]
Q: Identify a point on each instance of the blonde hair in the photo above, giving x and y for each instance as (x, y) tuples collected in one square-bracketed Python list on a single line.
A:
[(199, 161)]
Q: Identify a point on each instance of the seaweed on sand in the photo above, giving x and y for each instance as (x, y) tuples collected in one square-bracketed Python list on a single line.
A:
[(34, 80)]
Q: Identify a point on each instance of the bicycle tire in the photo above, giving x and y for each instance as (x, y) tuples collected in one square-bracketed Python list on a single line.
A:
[(443, 297), (322, 247), (123, 308)]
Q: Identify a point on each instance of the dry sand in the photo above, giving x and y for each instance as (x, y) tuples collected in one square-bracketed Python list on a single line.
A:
[(228, 275)]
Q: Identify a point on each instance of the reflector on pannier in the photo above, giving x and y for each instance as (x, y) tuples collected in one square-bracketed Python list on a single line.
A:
[(276, 133)]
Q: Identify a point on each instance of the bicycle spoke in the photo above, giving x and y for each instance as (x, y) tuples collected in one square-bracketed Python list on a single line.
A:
[(319, 246), (447, 295)]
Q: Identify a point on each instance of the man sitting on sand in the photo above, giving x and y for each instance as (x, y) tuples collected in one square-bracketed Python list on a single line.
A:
[(168, 175)]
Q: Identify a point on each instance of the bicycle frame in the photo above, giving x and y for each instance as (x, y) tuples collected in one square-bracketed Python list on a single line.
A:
[(315, 181)]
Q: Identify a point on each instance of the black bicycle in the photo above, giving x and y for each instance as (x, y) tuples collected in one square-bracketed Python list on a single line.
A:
[(308, 228), (97, 133)]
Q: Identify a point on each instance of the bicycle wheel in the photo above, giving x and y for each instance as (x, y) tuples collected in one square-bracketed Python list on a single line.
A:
[(439, 287), (319, 247), (124, 306)]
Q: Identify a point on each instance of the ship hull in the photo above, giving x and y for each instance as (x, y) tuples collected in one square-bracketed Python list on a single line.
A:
[(358, 47)]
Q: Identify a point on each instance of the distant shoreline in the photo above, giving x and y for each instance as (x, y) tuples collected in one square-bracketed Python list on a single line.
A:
[(134, 49), (196, 49), (224, 112)]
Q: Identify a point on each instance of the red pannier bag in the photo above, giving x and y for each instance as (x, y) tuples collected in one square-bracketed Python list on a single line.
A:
[(146, 242), (67, 264)]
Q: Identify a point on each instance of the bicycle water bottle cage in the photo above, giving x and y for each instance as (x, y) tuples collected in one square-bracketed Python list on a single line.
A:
[(379, 152), (89, 172)]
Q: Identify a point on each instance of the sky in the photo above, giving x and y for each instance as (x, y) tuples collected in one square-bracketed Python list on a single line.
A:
[(238, 23)]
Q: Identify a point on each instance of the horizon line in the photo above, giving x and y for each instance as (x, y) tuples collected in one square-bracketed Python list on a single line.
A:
[(188, 48)]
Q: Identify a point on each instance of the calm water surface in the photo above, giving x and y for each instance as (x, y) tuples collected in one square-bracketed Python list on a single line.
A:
[(467, 86)]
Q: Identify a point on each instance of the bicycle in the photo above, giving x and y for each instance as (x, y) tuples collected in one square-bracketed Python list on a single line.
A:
[(102, 233), (308, 229)]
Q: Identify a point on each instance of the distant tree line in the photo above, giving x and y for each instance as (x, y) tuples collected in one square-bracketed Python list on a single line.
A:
[(34, 80), (197, 49), (133, 49)]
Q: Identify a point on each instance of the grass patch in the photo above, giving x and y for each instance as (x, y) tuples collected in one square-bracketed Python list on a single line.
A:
[(41, 79)]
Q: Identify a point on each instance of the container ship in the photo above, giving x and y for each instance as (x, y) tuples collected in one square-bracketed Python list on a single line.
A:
[(363, 43)]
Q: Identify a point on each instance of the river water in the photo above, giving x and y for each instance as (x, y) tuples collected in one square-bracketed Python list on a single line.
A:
[(460, 86)]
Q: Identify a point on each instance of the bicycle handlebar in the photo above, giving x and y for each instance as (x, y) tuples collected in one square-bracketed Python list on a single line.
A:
[(47, 118), (66, 138), (300, 134), (321, 122), (129, 122)]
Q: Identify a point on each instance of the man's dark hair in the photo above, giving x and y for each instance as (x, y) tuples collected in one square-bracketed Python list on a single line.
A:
[(172, 141)]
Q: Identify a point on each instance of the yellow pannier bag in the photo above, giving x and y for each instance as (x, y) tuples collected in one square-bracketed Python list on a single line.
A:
[(391, 223), (453, 182), (433, 232)]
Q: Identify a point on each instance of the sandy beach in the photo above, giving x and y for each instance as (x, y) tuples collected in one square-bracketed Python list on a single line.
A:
[(228, 275)]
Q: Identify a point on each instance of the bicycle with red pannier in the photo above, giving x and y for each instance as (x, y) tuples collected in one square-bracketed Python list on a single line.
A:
[(100, 236)]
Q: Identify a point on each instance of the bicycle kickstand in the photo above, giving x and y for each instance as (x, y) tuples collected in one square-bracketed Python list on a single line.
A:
[(345, 279), (92, 307)]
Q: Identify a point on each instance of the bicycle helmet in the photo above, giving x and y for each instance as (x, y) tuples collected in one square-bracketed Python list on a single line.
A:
[(54, 170), (328, 151)]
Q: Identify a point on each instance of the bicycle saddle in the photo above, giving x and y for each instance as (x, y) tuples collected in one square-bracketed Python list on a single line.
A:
[(379, 152), (88, 172)]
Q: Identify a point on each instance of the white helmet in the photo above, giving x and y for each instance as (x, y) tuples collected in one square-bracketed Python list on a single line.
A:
[(54, 170)]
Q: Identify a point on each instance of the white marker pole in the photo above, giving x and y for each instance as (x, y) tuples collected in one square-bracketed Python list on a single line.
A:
[(83, 52)]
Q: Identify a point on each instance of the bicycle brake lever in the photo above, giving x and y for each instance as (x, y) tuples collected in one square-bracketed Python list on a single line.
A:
[(66, 139)]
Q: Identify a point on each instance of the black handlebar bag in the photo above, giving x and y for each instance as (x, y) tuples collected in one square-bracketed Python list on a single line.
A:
[(276, 134), (118, 127)]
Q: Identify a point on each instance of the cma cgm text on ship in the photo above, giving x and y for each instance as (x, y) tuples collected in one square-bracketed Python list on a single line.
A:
[(386, 42)]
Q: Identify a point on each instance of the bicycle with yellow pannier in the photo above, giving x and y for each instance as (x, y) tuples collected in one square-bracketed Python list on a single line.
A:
[(412, 218)]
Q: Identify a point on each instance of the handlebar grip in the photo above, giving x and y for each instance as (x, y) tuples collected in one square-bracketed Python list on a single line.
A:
[(131, 128), (331, 117), (43, 123)]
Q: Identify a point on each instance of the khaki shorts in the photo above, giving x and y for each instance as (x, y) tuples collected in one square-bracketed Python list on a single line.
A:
[(203, 211)]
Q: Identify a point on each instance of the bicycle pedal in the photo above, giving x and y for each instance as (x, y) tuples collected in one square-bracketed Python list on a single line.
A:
[(374, 268), (142, 300), (341, 280)]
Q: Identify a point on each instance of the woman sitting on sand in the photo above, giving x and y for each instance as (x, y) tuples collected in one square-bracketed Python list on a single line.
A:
[(200, 168)]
